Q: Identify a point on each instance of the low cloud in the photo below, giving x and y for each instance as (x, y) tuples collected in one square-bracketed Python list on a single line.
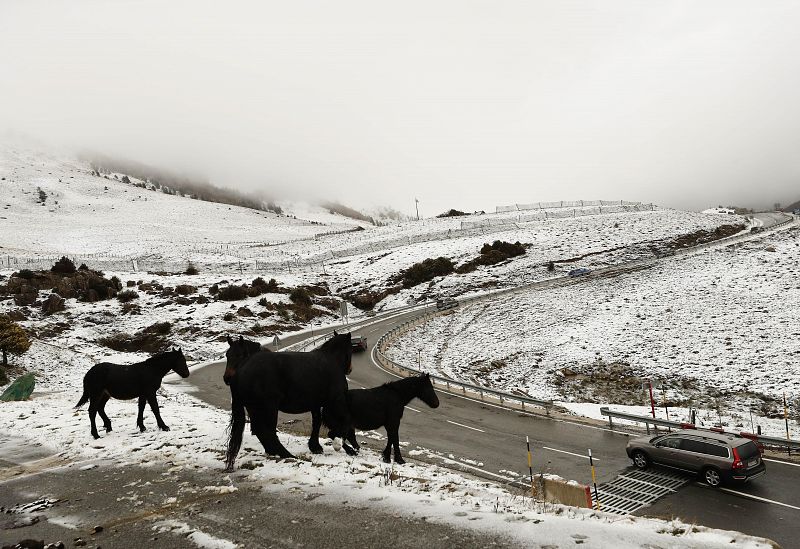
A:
[(459, 105)]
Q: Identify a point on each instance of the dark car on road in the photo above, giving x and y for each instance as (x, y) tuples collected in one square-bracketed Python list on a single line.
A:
[(580, 271), (715, 457), (359, 343)]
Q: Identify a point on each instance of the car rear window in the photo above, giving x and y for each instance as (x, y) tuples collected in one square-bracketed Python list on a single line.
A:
[(747, 450)]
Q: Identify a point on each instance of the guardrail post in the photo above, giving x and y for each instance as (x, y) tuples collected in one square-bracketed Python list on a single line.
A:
[(610, 423)]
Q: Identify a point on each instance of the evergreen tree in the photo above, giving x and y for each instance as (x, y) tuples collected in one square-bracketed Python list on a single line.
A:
[(13, 338)]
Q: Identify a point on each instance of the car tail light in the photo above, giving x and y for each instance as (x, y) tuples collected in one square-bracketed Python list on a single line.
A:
[(737, 461)]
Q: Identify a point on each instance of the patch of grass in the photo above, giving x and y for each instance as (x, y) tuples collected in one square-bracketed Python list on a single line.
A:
[(127, 295), (425, 271), (185, 289), (300, 296), (151, 339), (233, 292), (494, 253), (64, 266)]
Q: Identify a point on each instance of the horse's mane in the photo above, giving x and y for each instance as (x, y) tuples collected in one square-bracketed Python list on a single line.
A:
[(403, 384), (252, 346), (159, 358)]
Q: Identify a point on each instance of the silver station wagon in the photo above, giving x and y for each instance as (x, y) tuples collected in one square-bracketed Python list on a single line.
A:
[(715, 457)]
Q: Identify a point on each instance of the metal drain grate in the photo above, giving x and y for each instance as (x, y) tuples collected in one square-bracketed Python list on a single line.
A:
[(635, 489)]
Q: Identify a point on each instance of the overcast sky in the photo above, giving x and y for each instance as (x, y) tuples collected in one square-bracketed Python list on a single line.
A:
[(460, 104)]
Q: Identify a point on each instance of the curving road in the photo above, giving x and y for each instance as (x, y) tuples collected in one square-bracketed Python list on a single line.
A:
[(489, 441)]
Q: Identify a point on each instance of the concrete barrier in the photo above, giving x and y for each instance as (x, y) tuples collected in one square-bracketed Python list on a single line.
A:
[(554, 489)]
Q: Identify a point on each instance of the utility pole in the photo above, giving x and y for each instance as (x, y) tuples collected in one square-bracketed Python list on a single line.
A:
[(416, 203)]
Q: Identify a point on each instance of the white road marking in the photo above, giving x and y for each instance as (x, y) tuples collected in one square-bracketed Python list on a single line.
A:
[(751, 496), (586, 457), (781, 462), (413, 409), (466, 426)]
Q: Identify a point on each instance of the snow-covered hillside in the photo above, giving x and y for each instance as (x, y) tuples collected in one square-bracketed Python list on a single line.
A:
[(77, 213), (716, 325), (107, 224)]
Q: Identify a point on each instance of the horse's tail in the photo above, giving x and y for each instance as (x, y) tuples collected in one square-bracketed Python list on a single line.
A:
[(336, 416), (84, 399), (235, 433), (85, 396)]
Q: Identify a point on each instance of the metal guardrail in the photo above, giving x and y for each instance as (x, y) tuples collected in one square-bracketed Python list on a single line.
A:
[(447, 384), (313, 341), (648, 420)]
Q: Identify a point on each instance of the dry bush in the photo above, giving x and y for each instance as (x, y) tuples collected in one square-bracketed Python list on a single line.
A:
[(127, 295)]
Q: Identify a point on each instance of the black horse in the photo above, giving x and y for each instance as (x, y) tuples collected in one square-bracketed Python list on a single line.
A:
[(238, 351), (383, 407), (127, 381), (266, 382)]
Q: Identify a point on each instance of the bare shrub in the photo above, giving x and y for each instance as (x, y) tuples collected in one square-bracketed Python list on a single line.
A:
[(127, 295)]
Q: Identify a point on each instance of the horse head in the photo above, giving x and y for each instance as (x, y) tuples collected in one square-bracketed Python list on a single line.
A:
[(426, 393), (179, 366), (236, 355), (342, 345)]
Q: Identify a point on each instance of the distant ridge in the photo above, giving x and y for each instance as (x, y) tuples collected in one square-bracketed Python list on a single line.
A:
[(158, 179)]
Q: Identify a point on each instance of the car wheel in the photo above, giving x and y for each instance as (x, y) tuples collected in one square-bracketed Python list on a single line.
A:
[(712, 477), (640, 459)]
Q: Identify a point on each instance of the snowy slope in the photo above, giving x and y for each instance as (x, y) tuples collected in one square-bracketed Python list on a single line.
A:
[(87, 214), (719, 324)]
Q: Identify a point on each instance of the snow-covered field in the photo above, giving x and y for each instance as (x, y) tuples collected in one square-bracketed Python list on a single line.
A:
[(715, 326), (100, 216)]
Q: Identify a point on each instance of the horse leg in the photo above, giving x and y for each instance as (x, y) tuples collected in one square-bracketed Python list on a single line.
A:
[(394, 440), (350, 450), (351, 436), (151, 399), (313, 441), (140, 418), (264, 424), (387, 452), (92, 413), (101, 409)]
